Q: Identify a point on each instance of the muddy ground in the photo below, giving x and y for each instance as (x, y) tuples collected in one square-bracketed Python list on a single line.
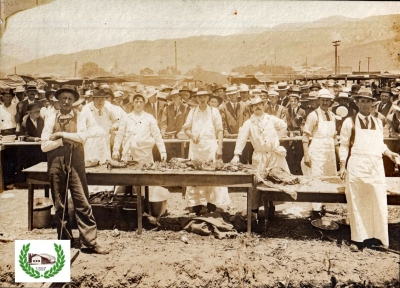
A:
[(289, 253)]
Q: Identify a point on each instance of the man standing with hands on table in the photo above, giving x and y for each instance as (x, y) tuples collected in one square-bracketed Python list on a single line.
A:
[(361, 148), (264, 131), (319, 157), (138, 132), (63, 136), (204, 128)]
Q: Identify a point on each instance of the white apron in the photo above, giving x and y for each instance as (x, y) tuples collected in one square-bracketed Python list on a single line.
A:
[(366, 187), (98, 149), (322, 153), (204, 151)]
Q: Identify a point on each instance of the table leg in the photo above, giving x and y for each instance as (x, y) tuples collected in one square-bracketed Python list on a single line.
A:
[(1, 171), (271, 210), (46, 191), (139, 209), (30, 206), (183, 148), (146, 199), (250, 191)]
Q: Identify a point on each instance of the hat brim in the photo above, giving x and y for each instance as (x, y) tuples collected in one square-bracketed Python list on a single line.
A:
[(256, 102), (59, 91), (363, 96), (282, 89), (223, 88)]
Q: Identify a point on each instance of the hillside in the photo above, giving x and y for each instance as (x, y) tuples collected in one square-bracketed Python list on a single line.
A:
[(290, 44)]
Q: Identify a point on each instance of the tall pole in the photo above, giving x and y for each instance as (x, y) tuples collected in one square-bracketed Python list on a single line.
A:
[(359, 65), (336, 44), (338, 60), (176, 57), (76, 66), (306, 68), (368, 62)]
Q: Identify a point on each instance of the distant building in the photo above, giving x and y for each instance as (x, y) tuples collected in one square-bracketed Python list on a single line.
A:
[(116, 70)]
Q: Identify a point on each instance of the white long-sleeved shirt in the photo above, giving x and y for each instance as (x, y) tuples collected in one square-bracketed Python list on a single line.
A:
[(7, 116), (345, 134), (139, 127), (263, 131), (198, 116), (86, 127)]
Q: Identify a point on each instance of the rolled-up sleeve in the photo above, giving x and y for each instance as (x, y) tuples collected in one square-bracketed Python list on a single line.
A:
[(243, 135), (156, 134), (345, 134), (189, 120), (47, 144), (217, 120)]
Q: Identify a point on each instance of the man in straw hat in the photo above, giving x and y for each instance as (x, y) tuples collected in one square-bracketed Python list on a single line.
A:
[(385, 106), (138, 133), (204, 128), (264, 131), (361, 149), (319, 156), (232, 119), (273, 108), (174, 116), (282, 89), (219, 91), (63, 136)]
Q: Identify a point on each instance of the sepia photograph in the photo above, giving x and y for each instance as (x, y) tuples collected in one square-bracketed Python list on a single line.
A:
[(199, 143)]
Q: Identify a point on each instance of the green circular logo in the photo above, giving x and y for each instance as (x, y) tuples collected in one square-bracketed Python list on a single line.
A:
[(57, 267)]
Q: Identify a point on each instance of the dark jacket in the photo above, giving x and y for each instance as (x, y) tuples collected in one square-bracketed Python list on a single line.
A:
[(29, 129)]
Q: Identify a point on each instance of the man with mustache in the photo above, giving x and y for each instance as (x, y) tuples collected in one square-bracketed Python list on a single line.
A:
[(264, 132)]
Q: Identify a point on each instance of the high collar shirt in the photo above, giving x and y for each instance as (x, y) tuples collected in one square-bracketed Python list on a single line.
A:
[(7, 116)]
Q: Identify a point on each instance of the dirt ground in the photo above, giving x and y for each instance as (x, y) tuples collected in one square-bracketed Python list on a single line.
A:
[(289, 253)]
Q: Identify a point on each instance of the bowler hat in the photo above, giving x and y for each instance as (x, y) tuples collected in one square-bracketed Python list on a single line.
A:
[(185, 88), (315, 85), (8, 91), (67, 88), (386, 89), (355, 88), (217, 87), (99, 93)]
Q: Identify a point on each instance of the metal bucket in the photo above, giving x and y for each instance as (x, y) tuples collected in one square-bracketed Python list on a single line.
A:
[(42, 212), (158, 208)]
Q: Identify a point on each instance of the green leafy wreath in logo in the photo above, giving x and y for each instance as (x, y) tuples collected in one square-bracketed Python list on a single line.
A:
[(23, 263)]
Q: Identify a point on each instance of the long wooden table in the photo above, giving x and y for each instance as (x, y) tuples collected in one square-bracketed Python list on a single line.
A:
[(100, 175), (333, 192)]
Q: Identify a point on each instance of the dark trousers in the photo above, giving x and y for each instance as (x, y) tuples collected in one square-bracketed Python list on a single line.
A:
[(58, 161)]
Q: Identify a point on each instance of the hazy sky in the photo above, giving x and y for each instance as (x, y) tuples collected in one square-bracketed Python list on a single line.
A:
[(66, 26)]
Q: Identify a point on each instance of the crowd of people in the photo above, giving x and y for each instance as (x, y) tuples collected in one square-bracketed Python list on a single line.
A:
[(98, 123)]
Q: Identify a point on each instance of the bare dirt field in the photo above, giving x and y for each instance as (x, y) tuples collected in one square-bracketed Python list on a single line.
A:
[(289, 253)]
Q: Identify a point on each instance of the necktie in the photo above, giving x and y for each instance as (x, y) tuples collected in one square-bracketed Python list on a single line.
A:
[(234, 109), (176, 110), (380, 107), (153, 110), (327, 116), (100, 113), (367, 122)]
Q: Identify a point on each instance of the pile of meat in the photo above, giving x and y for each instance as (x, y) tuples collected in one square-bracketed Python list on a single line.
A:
[(279, 179), (179, 164)]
